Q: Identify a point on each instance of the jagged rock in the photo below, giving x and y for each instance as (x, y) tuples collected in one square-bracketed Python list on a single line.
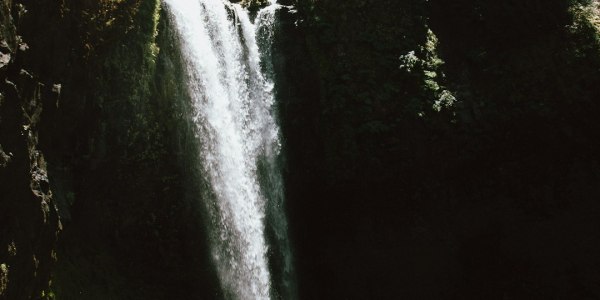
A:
[(4, 158), (4, 59), (28, 218)]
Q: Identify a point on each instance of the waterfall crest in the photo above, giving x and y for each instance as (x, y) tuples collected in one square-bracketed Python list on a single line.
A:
[(233, 99)]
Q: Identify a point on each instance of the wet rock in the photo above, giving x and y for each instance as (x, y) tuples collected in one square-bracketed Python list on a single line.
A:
[(28, 218), (4, 59), (252, 4), (4, 158)]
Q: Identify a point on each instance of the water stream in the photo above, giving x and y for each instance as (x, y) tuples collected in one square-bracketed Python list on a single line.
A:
[(227, 58)]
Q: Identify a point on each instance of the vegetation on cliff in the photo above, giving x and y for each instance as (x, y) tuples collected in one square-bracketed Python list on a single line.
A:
[(451, 133)]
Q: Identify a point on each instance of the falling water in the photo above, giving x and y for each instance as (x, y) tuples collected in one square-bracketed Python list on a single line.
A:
[(229, 81)]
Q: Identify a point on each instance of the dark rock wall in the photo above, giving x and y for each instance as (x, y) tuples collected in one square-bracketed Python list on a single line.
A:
[(120, 158), (492, 197), (28, 216)]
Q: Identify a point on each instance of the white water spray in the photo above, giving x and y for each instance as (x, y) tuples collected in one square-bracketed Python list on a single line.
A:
[(233, 101)]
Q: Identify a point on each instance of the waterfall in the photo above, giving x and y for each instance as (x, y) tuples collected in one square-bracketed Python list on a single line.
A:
[(226, 55)]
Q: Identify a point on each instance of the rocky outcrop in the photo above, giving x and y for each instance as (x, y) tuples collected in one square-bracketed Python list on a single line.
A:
[(29, 220)]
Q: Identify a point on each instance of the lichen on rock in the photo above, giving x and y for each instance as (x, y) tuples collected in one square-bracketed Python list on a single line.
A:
[(3, 278)]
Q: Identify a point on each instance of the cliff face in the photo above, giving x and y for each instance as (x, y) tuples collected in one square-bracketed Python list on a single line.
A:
[(439, 147), (29, 219), (110, 117)]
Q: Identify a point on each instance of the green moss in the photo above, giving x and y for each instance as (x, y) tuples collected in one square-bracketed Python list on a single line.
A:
[(154, 49)]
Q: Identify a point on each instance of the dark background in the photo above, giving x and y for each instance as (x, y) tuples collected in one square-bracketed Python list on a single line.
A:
[(494, 197)]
